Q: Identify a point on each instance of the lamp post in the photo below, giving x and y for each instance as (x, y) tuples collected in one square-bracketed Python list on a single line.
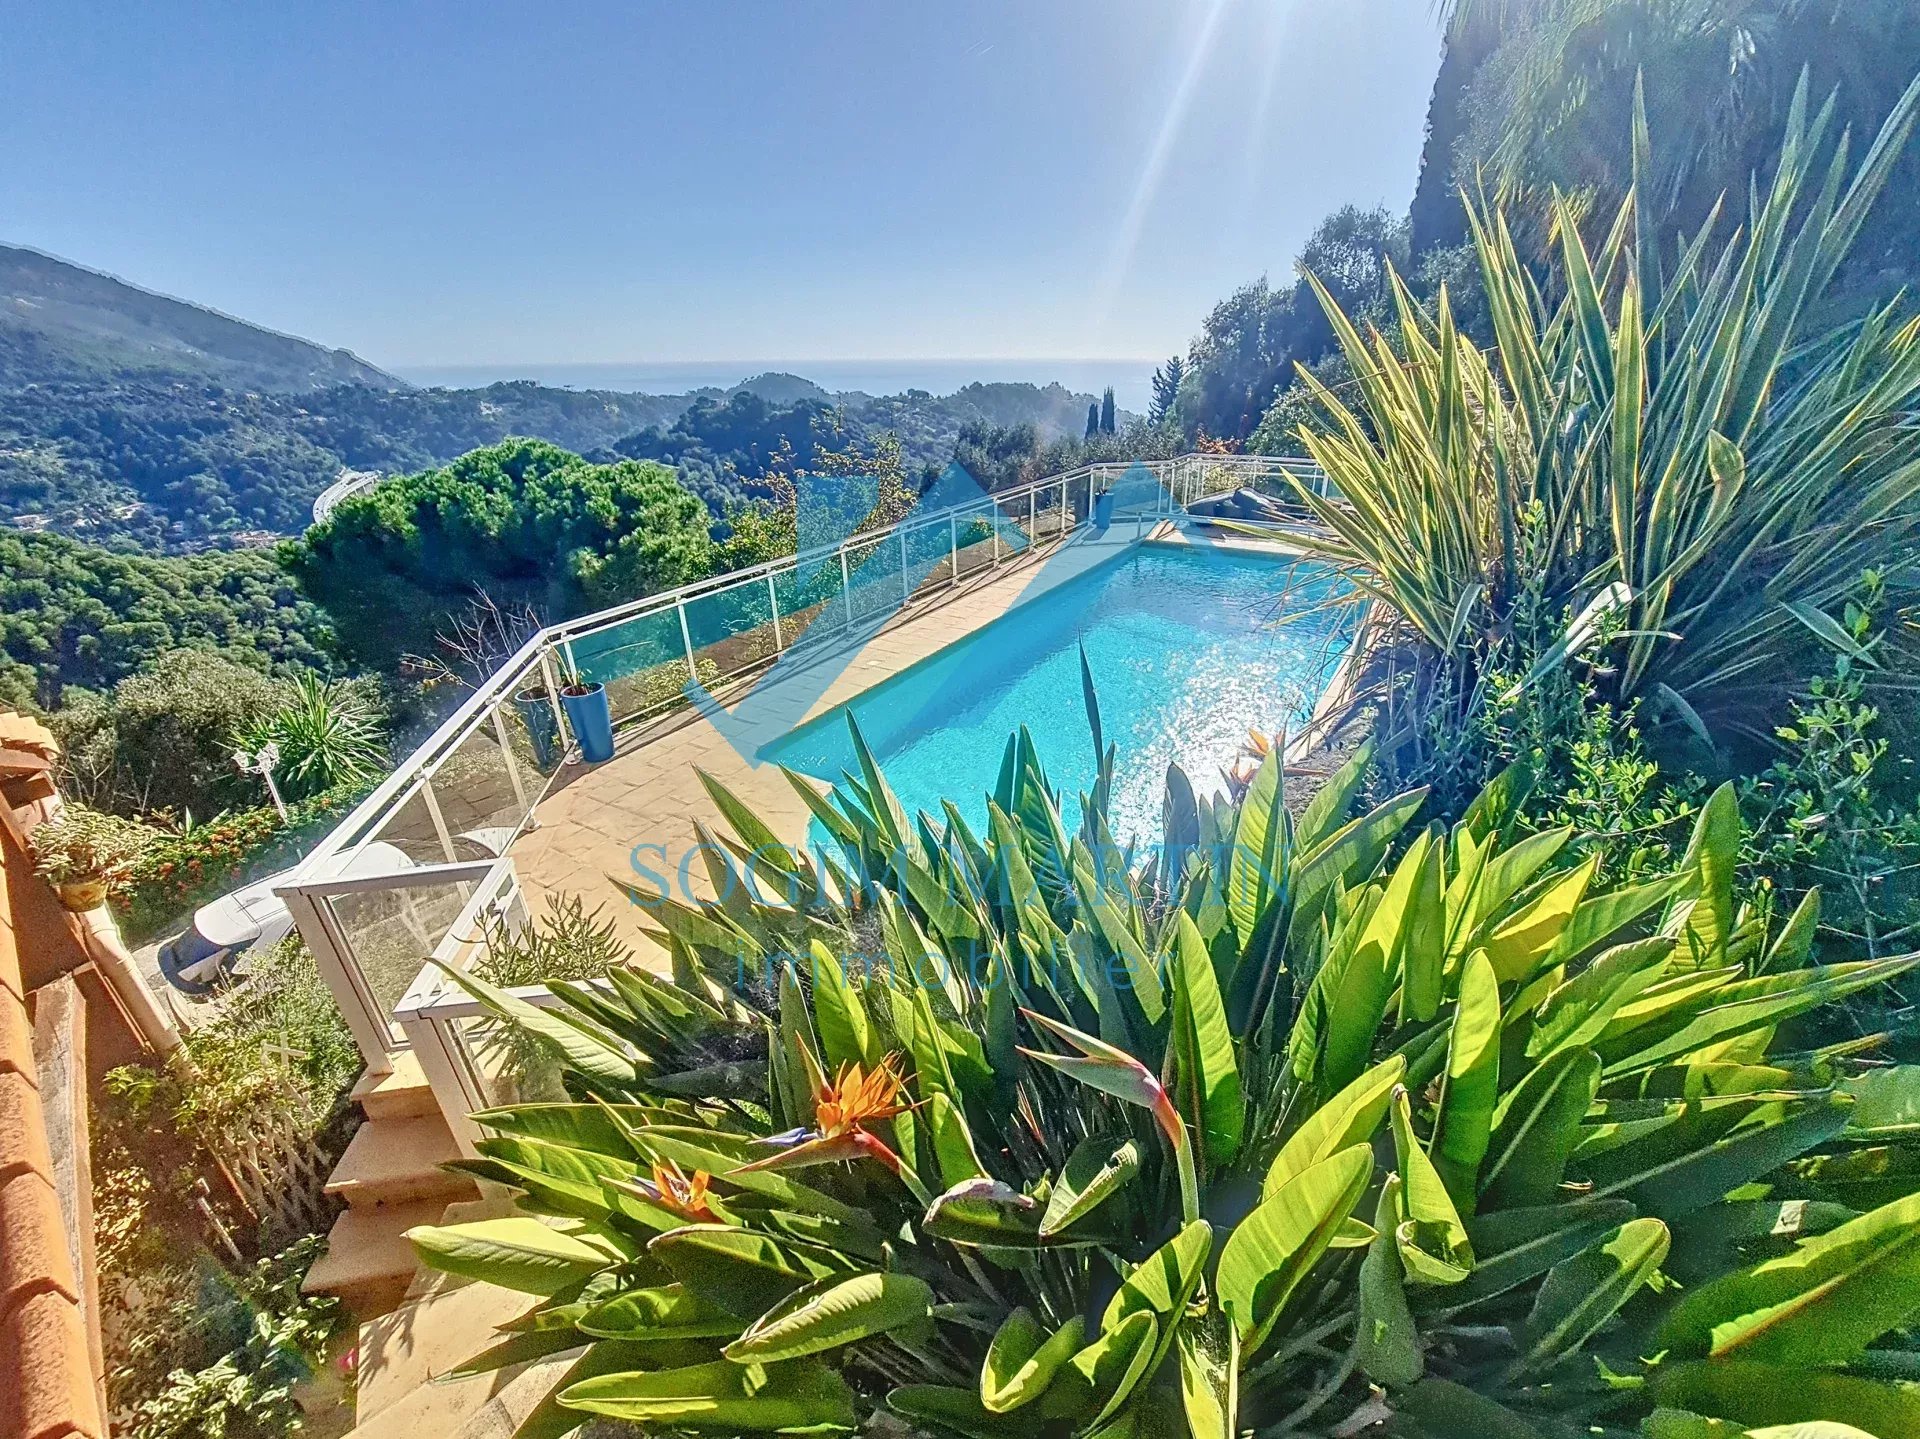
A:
[(261, 762)]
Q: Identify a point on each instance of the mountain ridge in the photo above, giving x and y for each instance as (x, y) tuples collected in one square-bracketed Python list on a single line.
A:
[(63, 320)]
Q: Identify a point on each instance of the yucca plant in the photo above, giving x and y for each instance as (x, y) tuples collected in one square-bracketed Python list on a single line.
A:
[(1313, 1126), (1664, 445), (327, 734)]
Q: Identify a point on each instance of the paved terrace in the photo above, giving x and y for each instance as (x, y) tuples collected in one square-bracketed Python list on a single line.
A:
[(650, 793)]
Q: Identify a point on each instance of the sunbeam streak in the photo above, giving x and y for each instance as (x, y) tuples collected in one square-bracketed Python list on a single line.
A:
[(1127, 237)]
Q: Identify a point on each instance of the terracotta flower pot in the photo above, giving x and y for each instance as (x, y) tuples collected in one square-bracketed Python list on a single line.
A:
[(78, 896)]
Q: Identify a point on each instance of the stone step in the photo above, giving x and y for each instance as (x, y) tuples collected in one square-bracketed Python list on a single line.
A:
[(368, 1262), (396, 1161), (428, 1337), (403, 1094)]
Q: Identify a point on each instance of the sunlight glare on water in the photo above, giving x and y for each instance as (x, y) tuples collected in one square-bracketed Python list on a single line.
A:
[(1187, 654)]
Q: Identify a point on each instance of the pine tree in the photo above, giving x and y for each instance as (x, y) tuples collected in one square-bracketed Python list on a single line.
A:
[(1093, 420), (1106, 411), (1166, 387)]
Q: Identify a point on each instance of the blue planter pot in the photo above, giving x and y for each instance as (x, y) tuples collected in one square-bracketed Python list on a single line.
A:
[(536, 712), (1103, 509), (591, 719)]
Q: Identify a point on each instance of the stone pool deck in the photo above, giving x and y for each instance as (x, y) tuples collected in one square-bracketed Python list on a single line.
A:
[(592, 817)]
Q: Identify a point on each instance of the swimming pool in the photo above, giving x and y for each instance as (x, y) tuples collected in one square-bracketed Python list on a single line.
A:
[(1186, 652)]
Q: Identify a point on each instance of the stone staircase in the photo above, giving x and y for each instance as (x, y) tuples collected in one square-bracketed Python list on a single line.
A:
[(391, 1179)]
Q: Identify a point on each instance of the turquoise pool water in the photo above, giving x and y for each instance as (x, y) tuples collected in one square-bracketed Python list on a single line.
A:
[(1187, 654)]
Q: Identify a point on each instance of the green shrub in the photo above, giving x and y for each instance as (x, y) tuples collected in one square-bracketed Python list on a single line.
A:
[(327, 735), (249, 1340), (176, 873), (1314, 1125), (1701, 463)]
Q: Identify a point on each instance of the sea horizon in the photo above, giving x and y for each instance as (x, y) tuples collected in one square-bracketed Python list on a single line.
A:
[(1131, 379)]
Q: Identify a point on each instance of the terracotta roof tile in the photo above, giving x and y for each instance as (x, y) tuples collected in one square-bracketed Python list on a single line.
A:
[(20, 732), (34, 1259), (51, 1395), (23, 1133)]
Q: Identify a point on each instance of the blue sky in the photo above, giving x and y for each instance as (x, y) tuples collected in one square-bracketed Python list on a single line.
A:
[(587, 182)]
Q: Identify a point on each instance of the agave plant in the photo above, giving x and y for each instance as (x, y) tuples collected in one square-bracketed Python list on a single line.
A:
[(326, 733), (1306, 1126), (1697, 462)]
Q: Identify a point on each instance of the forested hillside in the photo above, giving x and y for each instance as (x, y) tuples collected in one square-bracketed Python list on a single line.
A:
[(63, 321), (71, 615)]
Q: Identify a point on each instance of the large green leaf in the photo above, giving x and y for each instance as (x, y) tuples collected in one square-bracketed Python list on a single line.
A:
[(1759, 1394), (1097, 1169), (830, 1313), (1271, 1251), (1350, 1117), (1209, 1384), (1689, 1175), (1257, 867), (1512, 1246), (1162, 1283), (1526, 939), (719, 1396), (1023, 1358), (1821, 1304), (1206, 1077), (736, 1269), (1330, 804), (957, 1411), (1535, 1128), (1712, 854), (666, 1312), (1582, 1293), (1472, 1084), (1434, 1246), (1445, 1410), (515, 1253), (1386, 1343), (1109, 1369)]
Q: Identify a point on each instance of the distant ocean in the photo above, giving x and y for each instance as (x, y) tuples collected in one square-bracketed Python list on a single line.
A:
[(1131, 379)]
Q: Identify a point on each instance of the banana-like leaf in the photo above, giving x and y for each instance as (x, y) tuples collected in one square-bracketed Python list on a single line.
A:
[(1209, 1390), (1423, 938), (665, 1312), (737, 1270), (1270, 1252), (1886, 1103), (1527, 939), (1351, 1117), (1445, 1410), (831, 1313), (1386, 1343), (1472, 1083), (1712, 854), (1512, 1246), (721, 1396), (1206, 1076), (1434, 1247), (957, 1411), (846, 1033), (1328, 808), (1162, 1284), (1023, 1359), (1536, 1127), (1262, 849), (1760, 1395), (1821, 1304), (516, 1253), (1097, 1169), (1582, 1293), (1113, 1365)]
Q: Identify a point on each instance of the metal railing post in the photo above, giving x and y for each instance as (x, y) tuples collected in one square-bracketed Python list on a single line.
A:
[(993, 527), (439, 820), (953, 549), (513, 765), (1032, 514), (553, 690), (686, 638), (906, 593), (846, 584), (773, 600)]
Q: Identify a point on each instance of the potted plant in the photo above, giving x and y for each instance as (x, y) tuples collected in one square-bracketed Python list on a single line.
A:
[(536, 713), (81, 851), (588, 713), (1103, 509)]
